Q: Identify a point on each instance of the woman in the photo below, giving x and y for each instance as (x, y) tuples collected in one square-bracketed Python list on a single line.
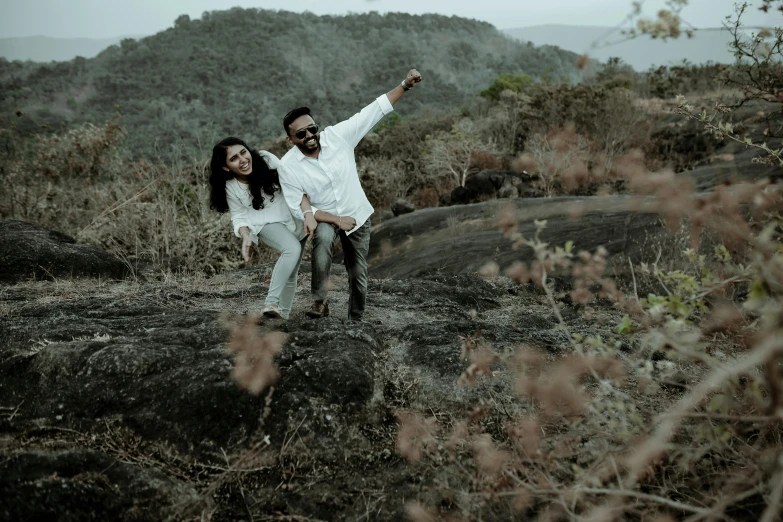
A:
[(246, 183)]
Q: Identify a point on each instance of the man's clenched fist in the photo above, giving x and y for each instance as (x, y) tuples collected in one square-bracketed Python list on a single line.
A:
[(413, 78)]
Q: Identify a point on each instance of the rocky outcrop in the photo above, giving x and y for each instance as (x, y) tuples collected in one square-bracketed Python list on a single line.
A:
[(494, 184), (735, 164), (460, 240), (31, 251), (125, 408), (166, 375), (75, 485), (402, 206)]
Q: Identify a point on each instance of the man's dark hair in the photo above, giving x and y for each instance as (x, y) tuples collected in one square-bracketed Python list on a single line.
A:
[(291, 116)]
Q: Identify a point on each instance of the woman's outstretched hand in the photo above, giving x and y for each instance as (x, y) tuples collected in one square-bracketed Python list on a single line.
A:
[(246, 243), (309, 224)]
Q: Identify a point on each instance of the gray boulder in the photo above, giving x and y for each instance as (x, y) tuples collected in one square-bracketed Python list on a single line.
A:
[(167, 376), (493, 184), (75, 485), (402, 206), (461, 239), (28, 250)]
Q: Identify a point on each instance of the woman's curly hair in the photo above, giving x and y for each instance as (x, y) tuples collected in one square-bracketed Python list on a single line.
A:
[(262, 180)]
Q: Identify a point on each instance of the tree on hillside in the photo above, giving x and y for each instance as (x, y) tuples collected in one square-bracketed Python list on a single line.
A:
[(449, 154), (507, 82), (332, 64)]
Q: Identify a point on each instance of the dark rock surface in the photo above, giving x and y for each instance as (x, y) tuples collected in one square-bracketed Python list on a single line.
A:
[(166, 374), (28, 250), (117, 401), (77, 485), (402, 206), (459, 240), (493, 184), (738, 167)]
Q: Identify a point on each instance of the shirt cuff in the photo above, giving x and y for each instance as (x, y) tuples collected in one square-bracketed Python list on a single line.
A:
[(239, 224), (386, 106), (300, 215)]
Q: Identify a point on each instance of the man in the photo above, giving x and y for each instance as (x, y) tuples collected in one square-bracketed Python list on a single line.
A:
[(322, 165)]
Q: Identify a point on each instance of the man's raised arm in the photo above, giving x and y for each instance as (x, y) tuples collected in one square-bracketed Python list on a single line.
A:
[(407, 84), (357, 126)]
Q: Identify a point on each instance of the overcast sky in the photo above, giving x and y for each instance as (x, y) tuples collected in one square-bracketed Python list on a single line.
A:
[(111, 18)]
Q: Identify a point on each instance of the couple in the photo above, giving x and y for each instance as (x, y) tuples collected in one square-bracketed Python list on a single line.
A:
[(313, 190)]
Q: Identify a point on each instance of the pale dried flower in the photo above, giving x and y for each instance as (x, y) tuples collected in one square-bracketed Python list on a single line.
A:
[(481, 360), (725, 317), (507, 220), (525, 163), (518, 272), (386, 248), (489, 459), (526, 434), (458, 436), (415, 512), (575, 175), (576, 211), (489, 270), (522, 500), (415, 435), (602, 514), (724, 157), (254, 366)]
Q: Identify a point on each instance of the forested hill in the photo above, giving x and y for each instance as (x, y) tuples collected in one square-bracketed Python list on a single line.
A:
[(239, 71)]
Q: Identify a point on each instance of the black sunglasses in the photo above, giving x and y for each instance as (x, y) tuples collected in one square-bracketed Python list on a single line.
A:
[(301, 133)]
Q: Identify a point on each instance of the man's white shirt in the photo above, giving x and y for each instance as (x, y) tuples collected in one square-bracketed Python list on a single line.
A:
[(331, 181)]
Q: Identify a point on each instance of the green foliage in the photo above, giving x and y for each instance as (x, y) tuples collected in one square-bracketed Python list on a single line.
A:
[(668, 81), (507, 82), (237, 72), (615, 74), (388, 122)]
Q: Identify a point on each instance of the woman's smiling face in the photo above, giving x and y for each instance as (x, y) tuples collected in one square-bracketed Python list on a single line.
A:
[(238, 160)]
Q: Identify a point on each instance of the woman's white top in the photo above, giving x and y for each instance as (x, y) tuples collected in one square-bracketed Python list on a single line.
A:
[(240, 203)]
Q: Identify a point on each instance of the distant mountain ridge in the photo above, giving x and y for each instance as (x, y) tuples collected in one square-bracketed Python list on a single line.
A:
[(48, 49), (641, 53), (237, 72)]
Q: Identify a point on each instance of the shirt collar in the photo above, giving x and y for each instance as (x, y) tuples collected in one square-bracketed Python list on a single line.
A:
[(298, 154)]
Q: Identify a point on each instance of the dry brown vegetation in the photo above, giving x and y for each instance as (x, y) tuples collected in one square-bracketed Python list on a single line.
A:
[(633, 426), (677, 416)]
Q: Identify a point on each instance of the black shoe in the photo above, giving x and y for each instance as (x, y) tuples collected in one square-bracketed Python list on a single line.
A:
[(318, 310)]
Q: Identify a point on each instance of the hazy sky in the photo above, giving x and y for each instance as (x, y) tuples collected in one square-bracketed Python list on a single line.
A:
[(111, 18)]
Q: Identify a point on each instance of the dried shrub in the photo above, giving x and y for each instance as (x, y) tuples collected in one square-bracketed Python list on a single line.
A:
[(597, 433), (254, 355), (80, 184)]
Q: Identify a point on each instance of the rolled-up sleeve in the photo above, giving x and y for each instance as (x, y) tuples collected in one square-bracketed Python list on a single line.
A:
[(271, 160), (292, 190), (239, 217), (357, 126)]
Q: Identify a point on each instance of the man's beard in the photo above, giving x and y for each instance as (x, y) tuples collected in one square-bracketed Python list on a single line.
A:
[(305, 149)]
